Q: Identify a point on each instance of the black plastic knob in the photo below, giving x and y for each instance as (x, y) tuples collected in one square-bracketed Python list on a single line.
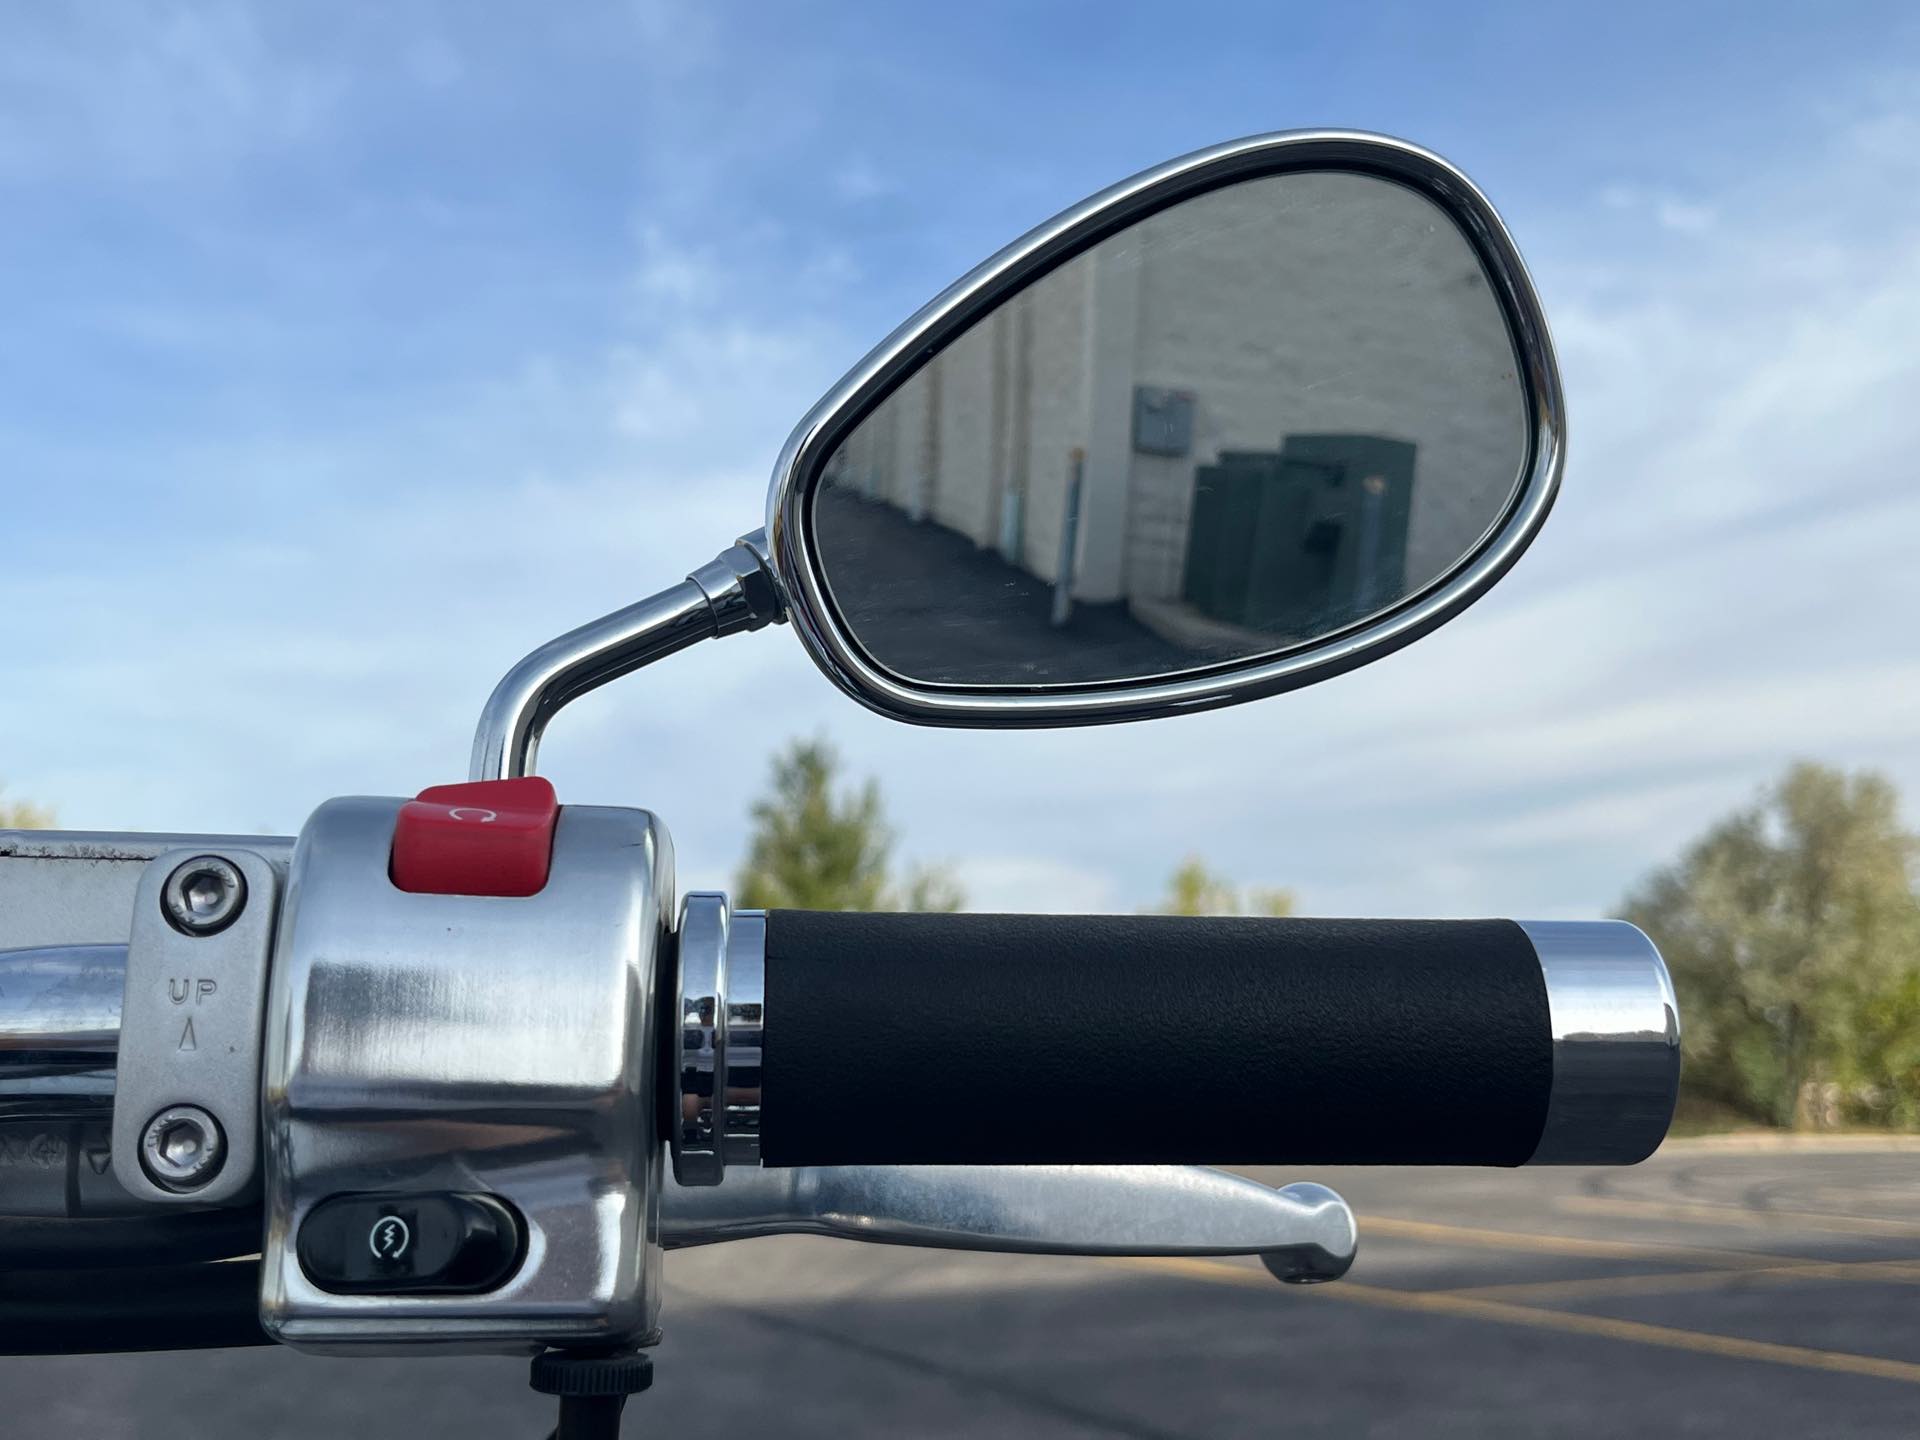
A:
[(387, 1244)]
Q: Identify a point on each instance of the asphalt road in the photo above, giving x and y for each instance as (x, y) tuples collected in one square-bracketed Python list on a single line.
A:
[(929, 603), (1712, 1291)]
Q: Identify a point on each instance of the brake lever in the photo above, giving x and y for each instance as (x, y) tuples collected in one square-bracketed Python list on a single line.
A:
[(1303, 1233)]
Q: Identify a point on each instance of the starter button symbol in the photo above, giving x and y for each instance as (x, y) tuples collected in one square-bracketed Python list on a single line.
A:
[(392, 1243), (389, 1238)]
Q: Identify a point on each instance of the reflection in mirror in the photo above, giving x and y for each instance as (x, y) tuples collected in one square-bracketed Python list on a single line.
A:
[(1239, 426)]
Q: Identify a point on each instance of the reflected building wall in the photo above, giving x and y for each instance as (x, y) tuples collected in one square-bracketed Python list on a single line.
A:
[(1321, 304)]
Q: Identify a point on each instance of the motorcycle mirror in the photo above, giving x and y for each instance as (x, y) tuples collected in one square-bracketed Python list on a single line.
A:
[(1245, 421)]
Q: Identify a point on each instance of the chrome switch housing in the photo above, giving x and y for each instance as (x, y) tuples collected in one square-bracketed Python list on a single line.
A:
[(475, 1045)]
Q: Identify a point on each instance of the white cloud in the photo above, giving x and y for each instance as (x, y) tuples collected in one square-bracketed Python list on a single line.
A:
[(673, 273), (687, 381), (1687, 218), (152, 93), (1668, 211), (857, 179), (1038, 884), (435, 62)]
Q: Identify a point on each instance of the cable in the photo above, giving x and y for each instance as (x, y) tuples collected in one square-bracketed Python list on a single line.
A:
[(590, 1417), (184, 1307), (128, 1241)]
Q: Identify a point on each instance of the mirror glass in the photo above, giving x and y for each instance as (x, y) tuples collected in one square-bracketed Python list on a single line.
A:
[(1245, 423)]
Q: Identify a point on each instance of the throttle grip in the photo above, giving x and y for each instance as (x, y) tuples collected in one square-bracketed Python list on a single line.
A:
[(1041, 1039)]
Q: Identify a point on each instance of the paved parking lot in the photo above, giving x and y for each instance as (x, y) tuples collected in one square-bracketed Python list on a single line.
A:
[(1714, 1291)]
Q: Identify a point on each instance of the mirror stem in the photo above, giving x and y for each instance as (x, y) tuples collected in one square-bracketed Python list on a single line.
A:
[(733, 592)]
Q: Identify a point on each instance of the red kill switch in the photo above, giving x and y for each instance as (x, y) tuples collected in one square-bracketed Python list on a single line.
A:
[(491, 837)]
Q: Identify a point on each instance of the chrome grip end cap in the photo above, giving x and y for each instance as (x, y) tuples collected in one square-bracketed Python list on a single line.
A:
[(1616, 1042)]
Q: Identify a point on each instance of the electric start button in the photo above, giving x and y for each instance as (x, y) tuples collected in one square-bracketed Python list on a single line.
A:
[(490, 837), (437, 1243)]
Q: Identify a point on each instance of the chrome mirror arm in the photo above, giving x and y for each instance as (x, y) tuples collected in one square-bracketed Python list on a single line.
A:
[(1302, 1232), (732, 592)]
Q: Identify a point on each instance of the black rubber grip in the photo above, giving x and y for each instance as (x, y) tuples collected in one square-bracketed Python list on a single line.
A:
[(1114, 1039)]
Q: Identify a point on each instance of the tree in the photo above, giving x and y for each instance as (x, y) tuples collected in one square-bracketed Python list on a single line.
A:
[(930, 887), (819, 847), (1193, 889), (1790, 929), (24, 815)]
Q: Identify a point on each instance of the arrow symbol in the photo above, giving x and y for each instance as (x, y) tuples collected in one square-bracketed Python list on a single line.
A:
[(389, 1238)]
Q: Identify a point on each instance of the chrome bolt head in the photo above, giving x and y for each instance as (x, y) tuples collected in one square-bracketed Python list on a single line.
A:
[(204, 895), (182, 1148)]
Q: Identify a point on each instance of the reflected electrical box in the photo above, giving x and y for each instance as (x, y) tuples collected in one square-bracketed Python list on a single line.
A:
[(1303, 539), (1162, 421)]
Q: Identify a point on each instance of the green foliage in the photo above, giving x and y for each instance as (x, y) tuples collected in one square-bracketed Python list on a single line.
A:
[(24, 815), (1193, 889), (930, 887), (817, 846), (1792, 930)]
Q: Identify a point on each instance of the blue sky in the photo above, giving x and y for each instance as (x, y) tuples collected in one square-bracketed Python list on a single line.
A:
[(345, 355)]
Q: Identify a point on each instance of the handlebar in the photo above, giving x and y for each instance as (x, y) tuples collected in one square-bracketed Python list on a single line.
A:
[(1031, 1039), (861, 1058), (924, 1039)]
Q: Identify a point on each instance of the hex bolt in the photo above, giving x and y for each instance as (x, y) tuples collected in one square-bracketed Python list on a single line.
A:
[(182, 1148), (204, 895)]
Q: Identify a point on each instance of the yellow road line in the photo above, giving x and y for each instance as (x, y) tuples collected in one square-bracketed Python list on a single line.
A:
[(1636, 1332), (1700, 1212), (1775, 1142), (1864, 1272), (1726, 1263), (1694, 1255), (1501, 1313)]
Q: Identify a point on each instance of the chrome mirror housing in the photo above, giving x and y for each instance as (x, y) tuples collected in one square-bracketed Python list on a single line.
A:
[(1185, 639), (1354, 563)]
